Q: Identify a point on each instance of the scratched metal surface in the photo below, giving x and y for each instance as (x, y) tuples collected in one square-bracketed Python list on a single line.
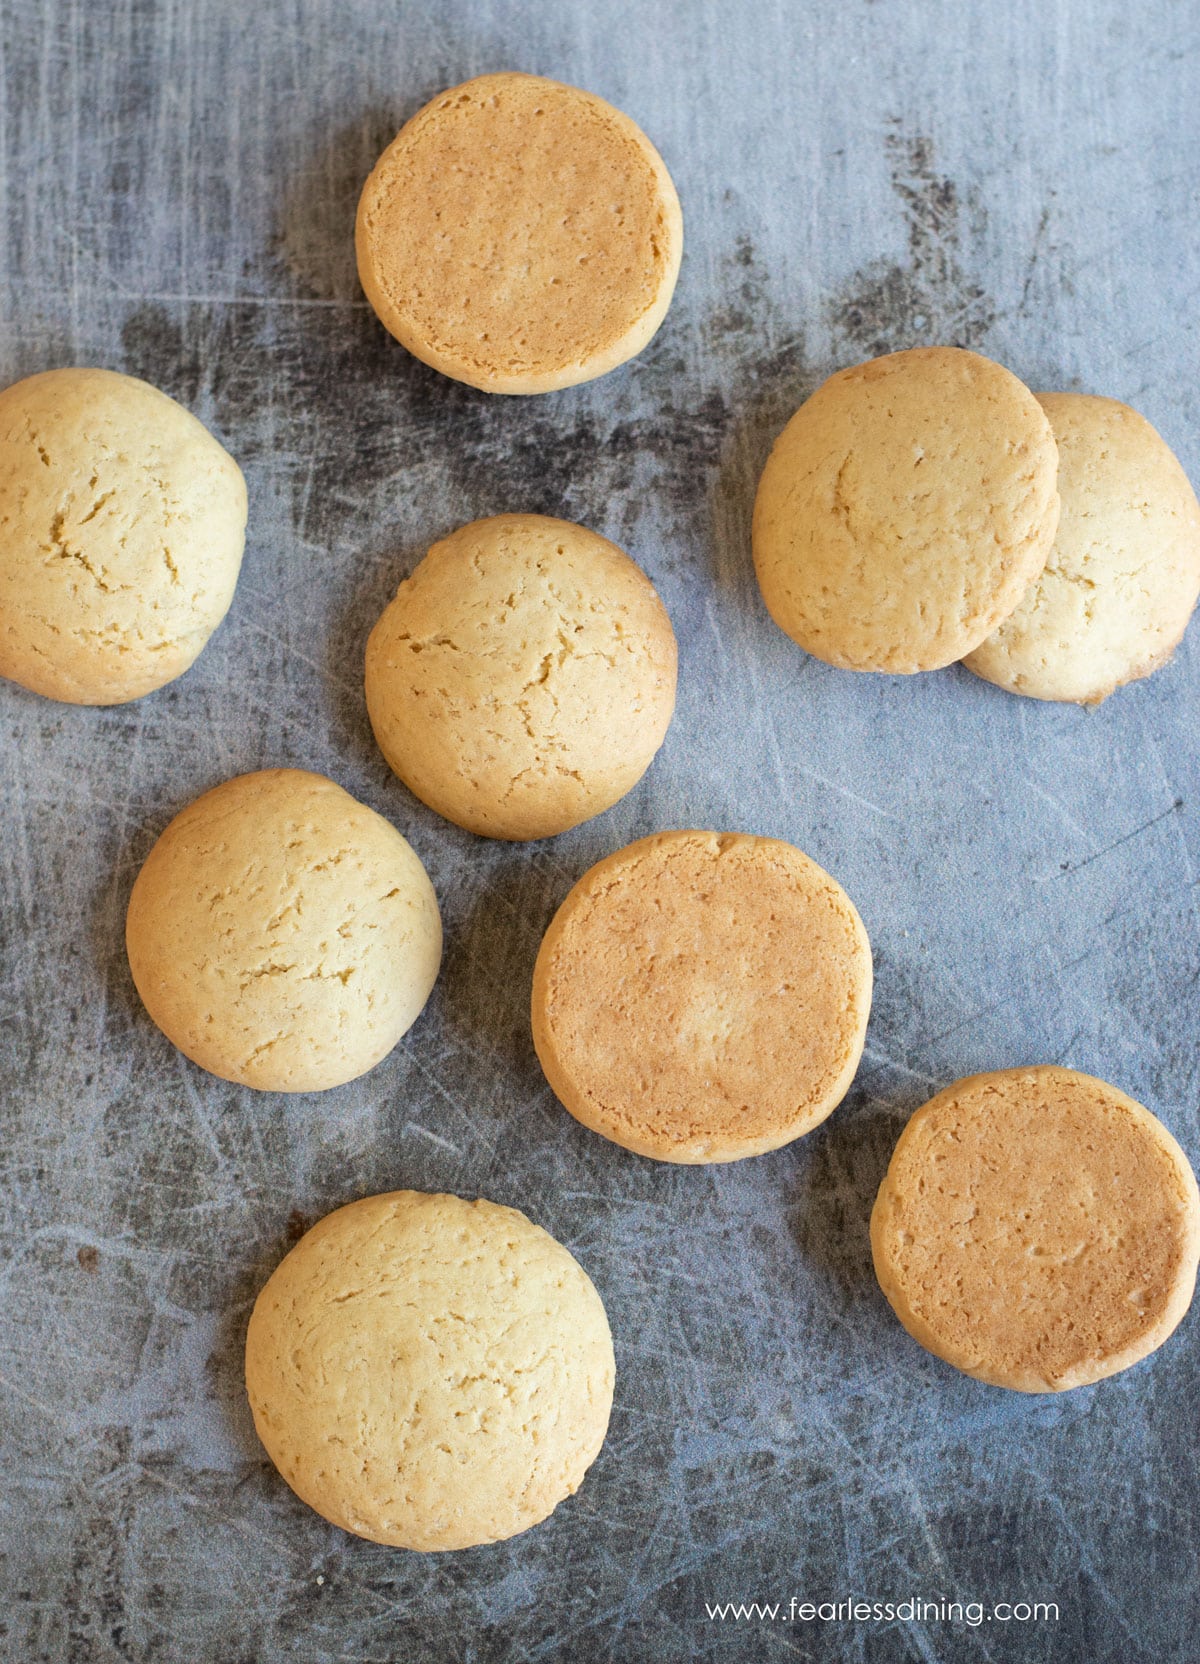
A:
[(179, 184)]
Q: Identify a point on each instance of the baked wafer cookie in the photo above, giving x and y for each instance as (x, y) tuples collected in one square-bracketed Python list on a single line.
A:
[(123, 527), (1122, 578), (430, 1372), (282, 934), (520, 235), (701, 996), (523, 677), (1037, 1229), (905, 510)]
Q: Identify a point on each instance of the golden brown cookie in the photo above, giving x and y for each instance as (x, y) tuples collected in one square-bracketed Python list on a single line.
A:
[(1124, 573), (905, 510), (430, 1372), (702, 997), (123, 525), (1037, 1229), (281, 934), (523, 677), (520, 235)]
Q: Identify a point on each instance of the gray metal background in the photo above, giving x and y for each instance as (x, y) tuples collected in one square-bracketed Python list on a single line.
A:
[(179, 184)]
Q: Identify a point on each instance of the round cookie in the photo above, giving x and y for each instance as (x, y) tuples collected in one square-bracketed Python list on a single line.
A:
[(905, 510), (1037, 1229), (430, 1372), (123, 523), (702, 997), (282, 934), (523, 677), (1124, 573), (520, 235)]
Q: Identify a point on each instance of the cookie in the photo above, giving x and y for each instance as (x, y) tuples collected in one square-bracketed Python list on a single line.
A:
[(520, 235), (430, 1372), (1037, 1229), (1124, 573), (281, 934), (905, 510), (523, 677), (702, 997), (123, 527)]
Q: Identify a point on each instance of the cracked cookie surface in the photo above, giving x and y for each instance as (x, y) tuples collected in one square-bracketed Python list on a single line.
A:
[(1122, 578), (430, 1372), (905, 510), (523, 677), (702, 997), (520, 235), (282, 934), (1037, 1229), (122, 524)]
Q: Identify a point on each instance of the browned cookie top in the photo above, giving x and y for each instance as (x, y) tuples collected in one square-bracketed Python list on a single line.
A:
[(520, 235), (1037, 1229), (700, 997)]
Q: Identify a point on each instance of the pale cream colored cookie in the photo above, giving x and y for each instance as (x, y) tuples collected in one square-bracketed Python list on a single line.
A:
[(702, 997), (282, 934), (122, 523), (1124, 573), (905, 510), (1037, 1229), (523, 677), (430, 1372), (520, 235)]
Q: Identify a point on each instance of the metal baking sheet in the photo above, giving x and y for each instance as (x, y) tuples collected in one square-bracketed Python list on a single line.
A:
[(178, 191)]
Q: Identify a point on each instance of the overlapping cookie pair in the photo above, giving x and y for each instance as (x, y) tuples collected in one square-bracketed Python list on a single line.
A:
[(926, 507)]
